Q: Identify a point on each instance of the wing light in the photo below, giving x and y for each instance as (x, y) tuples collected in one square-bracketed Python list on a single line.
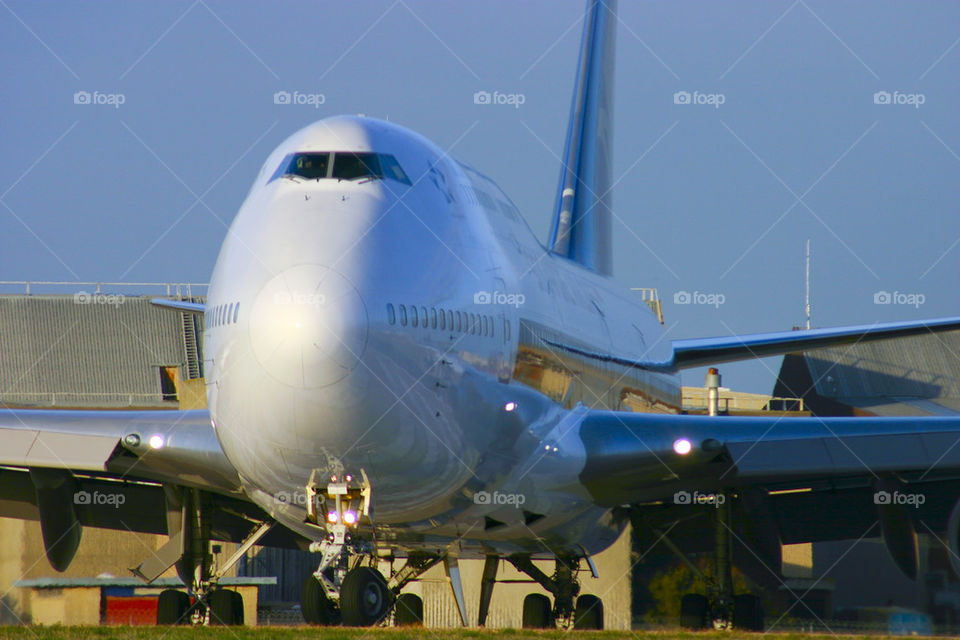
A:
[(682, 446), (156, 441)]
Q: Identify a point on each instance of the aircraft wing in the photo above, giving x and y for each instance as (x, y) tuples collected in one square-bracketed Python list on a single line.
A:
[(631, 457), (178, 447), (195, 308), (709, 351)]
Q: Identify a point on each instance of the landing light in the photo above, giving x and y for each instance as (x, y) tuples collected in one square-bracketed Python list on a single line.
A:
[(510, 406), (350, 516), (156, 442), (332, 517), (682, 446)]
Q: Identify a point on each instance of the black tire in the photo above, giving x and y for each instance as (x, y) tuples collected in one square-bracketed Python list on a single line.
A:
[(172, 606), (693, 611), (588, 614), (238, 617), (315, 606), (365, 597), (223, 607), (537, 613), (747, 613), (409, 610)]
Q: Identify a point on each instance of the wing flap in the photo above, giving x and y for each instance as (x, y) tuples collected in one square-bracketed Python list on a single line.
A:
[(836, 456), (33, 448)]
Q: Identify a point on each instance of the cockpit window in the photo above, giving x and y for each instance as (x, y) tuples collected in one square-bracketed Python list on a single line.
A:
[(351, 166), (346, 165), (392, 169), (311, 166)]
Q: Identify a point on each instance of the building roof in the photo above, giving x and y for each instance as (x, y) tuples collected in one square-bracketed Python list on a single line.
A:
[(918, 375), (86, 350)]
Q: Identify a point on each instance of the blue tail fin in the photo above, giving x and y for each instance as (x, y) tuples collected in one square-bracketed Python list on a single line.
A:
[(581, 226)]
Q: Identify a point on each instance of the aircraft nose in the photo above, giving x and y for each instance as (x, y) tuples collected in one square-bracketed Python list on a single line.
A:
[(309, 326)]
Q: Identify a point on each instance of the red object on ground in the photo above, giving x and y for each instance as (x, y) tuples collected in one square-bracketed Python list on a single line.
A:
[(131, 610)]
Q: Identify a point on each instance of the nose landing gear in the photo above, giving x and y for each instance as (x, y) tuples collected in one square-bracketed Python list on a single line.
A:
[(341, 590)]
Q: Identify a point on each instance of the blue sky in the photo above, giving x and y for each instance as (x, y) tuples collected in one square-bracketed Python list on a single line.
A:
[(710, 199)]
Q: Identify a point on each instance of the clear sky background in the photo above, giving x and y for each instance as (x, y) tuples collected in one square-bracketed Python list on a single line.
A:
[(715, 200)]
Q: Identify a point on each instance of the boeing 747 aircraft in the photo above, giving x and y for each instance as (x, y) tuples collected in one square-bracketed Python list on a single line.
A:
[(377, 389)]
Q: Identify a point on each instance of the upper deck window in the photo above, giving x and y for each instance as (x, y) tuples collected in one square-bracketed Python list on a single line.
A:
[(340, 165)]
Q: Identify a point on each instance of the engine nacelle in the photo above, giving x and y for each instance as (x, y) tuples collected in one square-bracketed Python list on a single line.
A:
[(896, 525), (56, 490)]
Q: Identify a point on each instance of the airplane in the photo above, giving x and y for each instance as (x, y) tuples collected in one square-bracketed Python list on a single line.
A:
[(396, 367)]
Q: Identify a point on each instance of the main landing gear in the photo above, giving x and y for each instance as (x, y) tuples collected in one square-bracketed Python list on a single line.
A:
[(188, 521), (719, 608), (571, 609)]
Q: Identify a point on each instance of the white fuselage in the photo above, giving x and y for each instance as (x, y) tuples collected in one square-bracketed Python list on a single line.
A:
[(377, 325)]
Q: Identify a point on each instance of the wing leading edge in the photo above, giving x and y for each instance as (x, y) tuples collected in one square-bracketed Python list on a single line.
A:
[(708, 351), (631, 456), (178, 447)]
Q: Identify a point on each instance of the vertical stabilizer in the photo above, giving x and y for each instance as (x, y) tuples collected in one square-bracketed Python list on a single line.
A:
[(581, 224)]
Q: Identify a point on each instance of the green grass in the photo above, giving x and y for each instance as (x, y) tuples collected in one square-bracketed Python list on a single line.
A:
[(336, 633)]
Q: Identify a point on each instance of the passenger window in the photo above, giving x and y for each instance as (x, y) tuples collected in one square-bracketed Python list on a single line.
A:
[(450, 319), (433, 318), (403, 316), (413, 315), (459, 324), (391, 314), (423, 317), (443, 320), (236, 312), (229, 312)]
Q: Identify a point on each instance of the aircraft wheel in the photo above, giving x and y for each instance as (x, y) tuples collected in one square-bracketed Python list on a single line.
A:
[(588, 613), (226, 607), (365, 597), (747, 612), (693, 611), (537, 613), (315, 606), (172, 606), (409, 610)]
